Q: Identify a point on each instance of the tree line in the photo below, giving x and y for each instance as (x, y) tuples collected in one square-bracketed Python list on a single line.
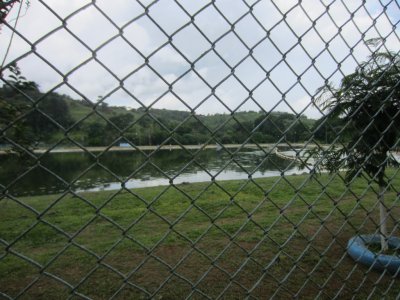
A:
[(30, 117)]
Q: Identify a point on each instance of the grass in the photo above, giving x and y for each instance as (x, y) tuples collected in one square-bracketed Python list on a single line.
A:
[(274, 236)]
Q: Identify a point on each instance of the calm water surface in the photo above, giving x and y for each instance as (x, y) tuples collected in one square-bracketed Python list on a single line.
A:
[(86, 173)]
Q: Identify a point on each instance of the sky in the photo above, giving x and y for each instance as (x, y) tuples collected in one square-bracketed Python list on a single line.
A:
[(207, 56)]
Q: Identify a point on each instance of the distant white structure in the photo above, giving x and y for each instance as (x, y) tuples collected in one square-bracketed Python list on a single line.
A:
[(125, 145)]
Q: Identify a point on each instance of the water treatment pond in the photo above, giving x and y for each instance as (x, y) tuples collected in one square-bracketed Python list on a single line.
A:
[(85, 173)]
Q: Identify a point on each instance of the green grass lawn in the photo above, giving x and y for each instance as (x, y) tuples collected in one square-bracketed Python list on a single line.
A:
[(275, 236)]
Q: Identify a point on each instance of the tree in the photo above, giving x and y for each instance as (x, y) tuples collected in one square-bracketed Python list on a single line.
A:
[(368, 103), (52, 111), (19, 132), (95, 134), (121, 121), (13, 125), (5, 8), (28, 116), (326, 128), (17, 81)]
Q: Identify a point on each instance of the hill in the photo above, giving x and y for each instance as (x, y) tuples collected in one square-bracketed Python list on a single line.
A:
[(61, 119)]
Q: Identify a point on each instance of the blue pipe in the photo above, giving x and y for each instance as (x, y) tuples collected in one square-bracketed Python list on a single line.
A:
[(358, 250)]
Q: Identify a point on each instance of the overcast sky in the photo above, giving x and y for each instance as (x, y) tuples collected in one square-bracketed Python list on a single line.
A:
[(202, 52)]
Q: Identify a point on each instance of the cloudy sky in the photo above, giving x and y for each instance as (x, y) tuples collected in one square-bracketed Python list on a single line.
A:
[(211, 56)]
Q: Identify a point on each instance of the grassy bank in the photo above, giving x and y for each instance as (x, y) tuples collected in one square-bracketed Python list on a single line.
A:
[(284, 236)]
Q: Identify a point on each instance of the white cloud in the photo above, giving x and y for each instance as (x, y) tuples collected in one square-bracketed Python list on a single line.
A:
[(124, 55)]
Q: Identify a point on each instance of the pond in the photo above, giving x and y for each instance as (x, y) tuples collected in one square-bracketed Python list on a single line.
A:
[(53, 172)]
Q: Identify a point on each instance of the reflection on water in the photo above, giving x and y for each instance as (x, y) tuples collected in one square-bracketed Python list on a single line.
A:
[(85, 172)]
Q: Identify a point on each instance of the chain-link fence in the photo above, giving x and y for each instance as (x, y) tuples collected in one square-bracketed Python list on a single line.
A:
[(199, 149)]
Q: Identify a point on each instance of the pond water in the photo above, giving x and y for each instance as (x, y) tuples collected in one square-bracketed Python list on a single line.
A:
[(53, 172)]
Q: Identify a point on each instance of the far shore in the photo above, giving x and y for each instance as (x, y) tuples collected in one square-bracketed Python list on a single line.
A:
[(162, 147)]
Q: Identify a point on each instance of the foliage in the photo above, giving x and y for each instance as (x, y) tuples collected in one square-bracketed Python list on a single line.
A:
[(284, 126), (46, 116), (5, 7), (367, 106), (13, 126), (153, 127), (326, 129)]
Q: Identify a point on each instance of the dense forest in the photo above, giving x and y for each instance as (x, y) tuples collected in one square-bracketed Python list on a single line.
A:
[(29, 116)]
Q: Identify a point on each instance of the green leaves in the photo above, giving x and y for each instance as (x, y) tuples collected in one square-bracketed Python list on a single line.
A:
[(368, 103)]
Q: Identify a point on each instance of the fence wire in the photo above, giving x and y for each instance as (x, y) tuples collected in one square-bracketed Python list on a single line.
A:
[(281, 237)]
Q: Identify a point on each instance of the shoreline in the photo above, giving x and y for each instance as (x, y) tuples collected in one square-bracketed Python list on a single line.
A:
[(147, 188), (158, 147), (132, 184)]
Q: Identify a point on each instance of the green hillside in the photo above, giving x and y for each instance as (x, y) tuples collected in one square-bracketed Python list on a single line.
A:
[(58, 119)]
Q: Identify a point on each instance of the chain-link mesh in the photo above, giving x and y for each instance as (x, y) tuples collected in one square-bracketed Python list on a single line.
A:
[(284, 236)]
